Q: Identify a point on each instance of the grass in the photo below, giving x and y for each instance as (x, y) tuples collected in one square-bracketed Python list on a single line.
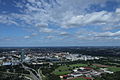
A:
[(114, 69), (62, 70), (111, 68), (74, 65), (62, 73), (79, 79)]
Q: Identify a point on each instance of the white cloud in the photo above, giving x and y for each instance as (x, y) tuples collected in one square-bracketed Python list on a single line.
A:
[(41, 24), (64, 33), (33, 34), (99, 36), (7, 20), (118, 10), (30, 36), (7, 39), (111, 28), (65, 13), (39, 13), (108, 34), (46, 30), (50, 37), (95, 18), (27, 37)]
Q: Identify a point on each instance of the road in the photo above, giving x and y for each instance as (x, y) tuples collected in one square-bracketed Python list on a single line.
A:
[(36, 75)]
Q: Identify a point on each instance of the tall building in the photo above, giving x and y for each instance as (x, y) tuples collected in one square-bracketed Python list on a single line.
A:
[(22, 55)]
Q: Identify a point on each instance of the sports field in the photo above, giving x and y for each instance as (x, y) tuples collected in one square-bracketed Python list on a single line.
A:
[(62, 70)]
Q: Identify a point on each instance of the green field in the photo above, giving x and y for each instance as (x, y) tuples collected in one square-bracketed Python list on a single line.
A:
[(75, 65), (114, 69), (61, 73), (79, 79), (62, 70)]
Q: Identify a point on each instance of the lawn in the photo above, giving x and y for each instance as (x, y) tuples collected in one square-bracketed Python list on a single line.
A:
[(61, 73), (114, 69), (62, 70), (79, 79), (74, 65)]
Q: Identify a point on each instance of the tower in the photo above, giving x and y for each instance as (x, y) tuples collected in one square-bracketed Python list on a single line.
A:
[(22, 55)]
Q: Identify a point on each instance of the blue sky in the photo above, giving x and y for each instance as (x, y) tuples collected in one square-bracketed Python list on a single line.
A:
[(59, 23)]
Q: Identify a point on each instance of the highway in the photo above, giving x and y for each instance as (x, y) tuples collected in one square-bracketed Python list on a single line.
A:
[(34, 74)]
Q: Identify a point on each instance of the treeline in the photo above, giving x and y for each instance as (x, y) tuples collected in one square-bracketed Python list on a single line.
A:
[(94, 51), (115, 76), (8, 76)]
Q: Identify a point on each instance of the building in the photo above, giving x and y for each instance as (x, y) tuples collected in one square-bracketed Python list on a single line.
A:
[(22, 55)]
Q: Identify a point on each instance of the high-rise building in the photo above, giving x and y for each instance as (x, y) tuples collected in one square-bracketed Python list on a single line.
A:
[(22, 55)]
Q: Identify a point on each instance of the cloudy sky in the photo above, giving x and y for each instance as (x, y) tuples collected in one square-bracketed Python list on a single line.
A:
[(59, 23)]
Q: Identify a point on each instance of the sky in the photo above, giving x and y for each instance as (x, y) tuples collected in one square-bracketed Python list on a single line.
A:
[(29, 23)]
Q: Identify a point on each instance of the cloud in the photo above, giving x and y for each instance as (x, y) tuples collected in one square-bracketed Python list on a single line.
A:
[(108, 34), (95, 18), (65, 14), (50, 37), (111, 28), (30, 36), (118, 10), (99, 36), (27, 37), (41, 25), (7, 39), (46, 30), (41, 12), (33, 34), (5, 19), (64, 33)]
